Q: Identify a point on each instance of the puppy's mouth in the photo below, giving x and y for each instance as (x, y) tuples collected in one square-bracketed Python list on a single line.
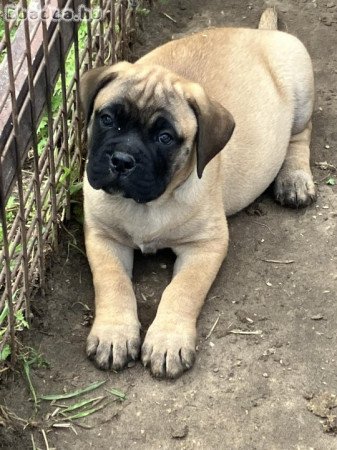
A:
[(140, 194), (137, 184)]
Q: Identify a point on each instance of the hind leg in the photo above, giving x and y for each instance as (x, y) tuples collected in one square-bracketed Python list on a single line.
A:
[(294, 185)]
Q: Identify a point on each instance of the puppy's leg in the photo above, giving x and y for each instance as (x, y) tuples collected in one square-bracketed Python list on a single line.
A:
[(294, 185), (169, 346), (114, 338)]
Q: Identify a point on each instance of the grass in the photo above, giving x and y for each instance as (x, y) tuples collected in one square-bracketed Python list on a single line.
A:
[(331, 181), (115, 392), (64, 415), (77, 393)]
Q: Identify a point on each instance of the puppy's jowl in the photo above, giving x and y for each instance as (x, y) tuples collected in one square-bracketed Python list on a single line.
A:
[(190, 133)]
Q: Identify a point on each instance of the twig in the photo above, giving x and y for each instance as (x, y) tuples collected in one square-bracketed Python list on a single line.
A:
[(45, 439), (77, 248), (82, 425), (212, 329), (256, 332), (277, 261), (169, 17), (264, 225)]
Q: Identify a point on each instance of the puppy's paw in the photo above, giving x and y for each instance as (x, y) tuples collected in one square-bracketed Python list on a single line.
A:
[(294, 188), (113, 346), (169, 350)]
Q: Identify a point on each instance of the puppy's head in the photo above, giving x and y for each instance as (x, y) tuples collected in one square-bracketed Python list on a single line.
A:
[(147, 128)]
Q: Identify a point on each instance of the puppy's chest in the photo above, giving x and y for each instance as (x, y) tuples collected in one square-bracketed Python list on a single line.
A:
[(150, 242), (151, 232)]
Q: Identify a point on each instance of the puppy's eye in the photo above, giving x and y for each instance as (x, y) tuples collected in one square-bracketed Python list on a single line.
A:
[(165, 138), (107, 120)]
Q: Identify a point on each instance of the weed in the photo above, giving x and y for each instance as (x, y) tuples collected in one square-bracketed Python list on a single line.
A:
[(331, 181)]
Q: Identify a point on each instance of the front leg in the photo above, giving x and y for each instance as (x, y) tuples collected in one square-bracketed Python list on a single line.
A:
[(169, 346), (114, 338)]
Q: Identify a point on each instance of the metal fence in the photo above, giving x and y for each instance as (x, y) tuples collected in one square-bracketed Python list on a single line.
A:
[(45, 46)]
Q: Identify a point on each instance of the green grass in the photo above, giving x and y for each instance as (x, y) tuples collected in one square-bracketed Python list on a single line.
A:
[(331, 181)]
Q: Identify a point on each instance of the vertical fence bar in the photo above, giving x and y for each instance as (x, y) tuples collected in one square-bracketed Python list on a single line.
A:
[(8, 286), (112, 27), (51, 158), (18, 168), (89, 18), (64, 112), (36, 180), (100, 56), (123, 31), (77, 106)]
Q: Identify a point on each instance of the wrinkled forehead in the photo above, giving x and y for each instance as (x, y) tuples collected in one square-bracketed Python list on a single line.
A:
[(149, 93)]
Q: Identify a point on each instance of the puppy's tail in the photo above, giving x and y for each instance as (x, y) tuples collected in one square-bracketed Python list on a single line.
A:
[(268, 19)]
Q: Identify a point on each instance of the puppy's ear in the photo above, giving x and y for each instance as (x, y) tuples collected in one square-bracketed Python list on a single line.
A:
[(93, 81), (215, 127)]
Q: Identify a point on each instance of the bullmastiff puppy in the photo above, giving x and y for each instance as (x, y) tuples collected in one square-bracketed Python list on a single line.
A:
[(189, 134)]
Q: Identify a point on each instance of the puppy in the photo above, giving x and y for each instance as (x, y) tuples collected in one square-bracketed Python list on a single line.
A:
[(192, 132)]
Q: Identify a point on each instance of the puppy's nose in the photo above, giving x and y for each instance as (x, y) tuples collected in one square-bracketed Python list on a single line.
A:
[(122, 162)]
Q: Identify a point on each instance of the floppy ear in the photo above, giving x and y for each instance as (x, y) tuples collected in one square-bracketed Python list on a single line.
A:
[(91, 83), (215, 127), (94, 80)]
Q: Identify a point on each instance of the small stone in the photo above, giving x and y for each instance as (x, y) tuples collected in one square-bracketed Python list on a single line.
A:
[(216, 370), (308, 395), (316, 317), (163, 266), (179, 432), (326, 20), (265, 375), (330, 4)]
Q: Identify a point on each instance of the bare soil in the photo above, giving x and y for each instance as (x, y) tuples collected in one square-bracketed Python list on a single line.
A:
[(246, 391)]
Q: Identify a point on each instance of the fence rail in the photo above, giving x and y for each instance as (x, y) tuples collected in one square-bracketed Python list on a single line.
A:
[(45, 46)]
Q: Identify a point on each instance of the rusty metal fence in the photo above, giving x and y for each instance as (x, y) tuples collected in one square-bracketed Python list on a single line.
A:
[(45, 46)]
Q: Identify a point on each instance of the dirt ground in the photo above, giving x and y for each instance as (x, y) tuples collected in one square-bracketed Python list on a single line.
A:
[(246, 391)]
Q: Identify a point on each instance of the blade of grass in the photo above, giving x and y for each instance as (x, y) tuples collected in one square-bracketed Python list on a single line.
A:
[(4, 314), (33, 442), (76, 393), (117, 393), (26, 370), (81, 404), (87, 412)]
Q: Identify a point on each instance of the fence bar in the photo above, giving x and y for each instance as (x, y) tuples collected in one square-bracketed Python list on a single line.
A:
[(36, 179), (21, 213), (77, 106), (50, 130)]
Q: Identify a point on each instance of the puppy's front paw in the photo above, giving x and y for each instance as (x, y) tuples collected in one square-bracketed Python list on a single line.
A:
[(113, 346), (169, 350), (295, 188)]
